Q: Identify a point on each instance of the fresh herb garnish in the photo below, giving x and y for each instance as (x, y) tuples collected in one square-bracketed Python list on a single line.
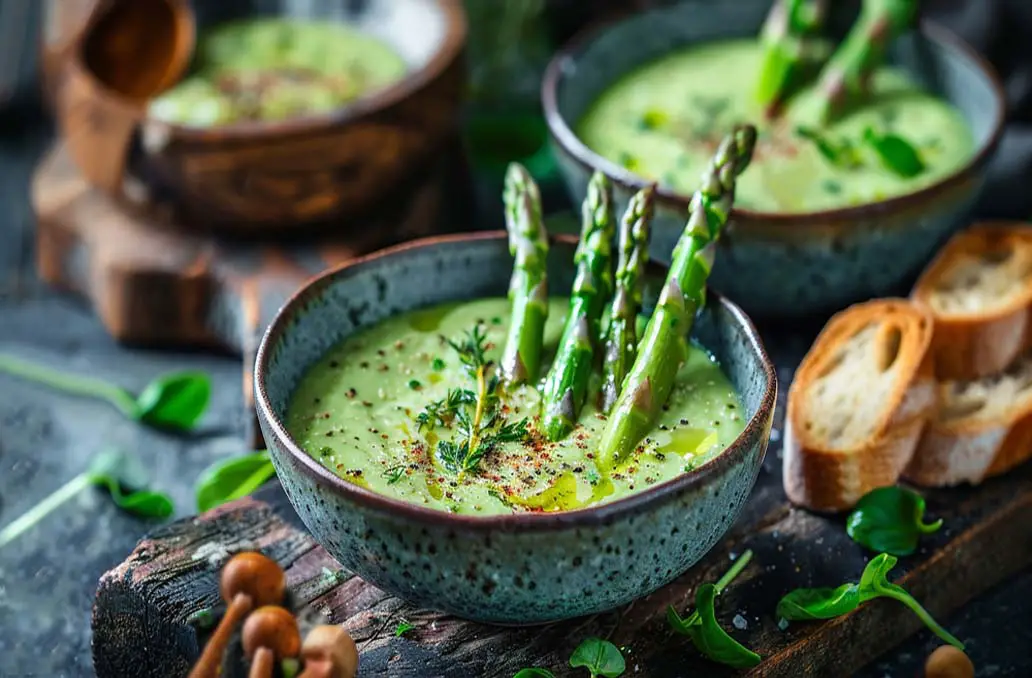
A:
[(534, 673), (890, 520), (474, 414), (826, 603), (116, 471), (629, 162), (414, 384), (173, 401), (394, 473), (702, 628), (838, 152), (232, 478), (895, 153), (402, 628), (653, 119), (599, 657), (437, 365)]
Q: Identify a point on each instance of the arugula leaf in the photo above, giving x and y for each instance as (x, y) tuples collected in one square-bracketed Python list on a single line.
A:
[(827, 603), (174, 401), (599, 657), (707, 636), (232, 478), (534, 673), (890, 520), (402, 628), (895, 153), (820, 603)]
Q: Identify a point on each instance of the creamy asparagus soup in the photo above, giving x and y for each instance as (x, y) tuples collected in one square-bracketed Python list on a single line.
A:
[(272, 69), (663, 121), (366, 411)]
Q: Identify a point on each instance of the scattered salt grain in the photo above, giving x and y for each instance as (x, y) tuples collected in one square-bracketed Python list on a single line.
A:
[(782, 624), (740, 622)]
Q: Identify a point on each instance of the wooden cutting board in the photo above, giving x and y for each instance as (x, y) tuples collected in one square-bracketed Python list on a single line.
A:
[(141, 612), (154, 284)]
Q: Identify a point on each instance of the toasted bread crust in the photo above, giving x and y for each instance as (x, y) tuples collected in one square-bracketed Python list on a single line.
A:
[(969, 344), (826, 479)]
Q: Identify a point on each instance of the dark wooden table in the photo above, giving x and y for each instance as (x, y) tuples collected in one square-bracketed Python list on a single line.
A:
[(48, 577)]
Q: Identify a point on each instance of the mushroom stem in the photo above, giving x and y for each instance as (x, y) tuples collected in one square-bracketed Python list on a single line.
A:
[(208, 664), (262, 664)]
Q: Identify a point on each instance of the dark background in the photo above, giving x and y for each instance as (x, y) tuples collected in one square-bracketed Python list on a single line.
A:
[(47, 578)]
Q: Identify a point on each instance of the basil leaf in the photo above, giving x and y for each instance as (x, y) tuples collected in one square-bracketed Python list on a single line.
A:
[(232, 479), (890, 520), (402, 628), (895, 153), (534, 673), (174, 401), (126, 481), (600, 657), (819, 603), (710, 639)]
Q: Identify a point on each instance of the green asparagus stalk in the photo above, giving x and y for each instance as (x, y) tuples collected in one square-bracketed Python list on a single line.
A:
[(621, 340), (845, 77), (528, 287), (664, 346), (793, 50), (567, 382)]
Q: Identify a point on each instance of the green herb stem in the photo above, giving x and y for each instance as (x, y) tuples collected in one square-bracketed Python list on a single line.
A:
[(72, 384), (927, 528), (37, 513), (735, 570), (923, 615)]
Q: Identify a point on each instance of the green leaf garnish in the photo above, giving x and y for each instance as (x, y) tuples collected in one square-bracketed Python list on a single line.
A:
[(472, 413), (394, 473), (437, 365), (653, 119), (116, 471), (534, 673), (174, 401), (840, 153), (702, 628), (402, 628), (232, 478), (599, 657), (895, 153), (825, 603), (890, 520)]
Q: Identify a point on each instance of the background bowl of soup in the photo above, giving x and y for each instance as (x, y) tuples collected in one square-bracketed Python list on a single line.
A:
[(295, 113), (803, 238), (511, 567)]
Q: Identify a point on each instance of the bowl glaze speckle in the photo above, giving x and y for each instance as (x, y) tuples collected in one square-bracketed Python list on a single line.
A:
[(780, 264), (508, 569)]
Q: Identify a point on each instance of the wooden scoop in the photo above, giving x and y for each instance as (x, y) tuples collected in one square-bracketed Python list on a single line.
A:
[(129, 51)]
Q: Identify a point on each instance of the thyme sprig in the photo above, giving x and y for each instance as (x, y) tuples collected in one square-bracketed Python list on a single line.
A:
[(473, 413)]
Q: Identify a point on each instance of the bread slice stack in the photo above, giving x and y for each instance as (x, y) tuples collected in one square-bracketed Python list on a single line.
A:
[(936, 389), (979, 290), (858, 404)]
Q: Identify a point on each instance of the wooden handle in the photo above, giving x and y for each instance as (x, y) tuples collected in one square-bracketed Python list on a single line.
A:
[(208, 664)]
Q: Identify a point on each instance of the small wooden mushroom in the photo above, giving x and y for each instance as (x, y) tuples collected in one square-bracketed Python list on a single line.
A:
[(248, 580), (329, 652), (269, 635)]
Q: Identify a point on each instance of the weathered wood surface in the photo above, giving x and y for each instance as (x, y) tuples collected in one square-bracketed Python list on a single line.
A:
[(153, 283), (145, 601)]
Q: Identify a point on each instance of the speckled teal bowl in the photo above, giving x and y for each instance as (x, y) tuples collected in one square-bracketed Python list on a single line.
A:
[(509, 569), (780, 264)]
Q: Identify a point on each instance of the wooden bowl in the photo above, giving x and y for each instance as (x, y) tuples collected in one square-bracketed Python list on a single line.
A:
[(252, 177)]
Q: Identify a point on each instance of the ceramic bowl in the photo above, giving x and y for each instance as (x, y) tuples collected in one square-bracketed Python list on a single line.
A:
[(777, 264), (329, 168), (509, 569)]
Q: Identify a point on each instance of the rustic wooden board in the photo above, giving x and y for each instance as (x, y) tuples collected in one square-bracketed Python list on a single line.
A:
[(140, 613), (153, 283)]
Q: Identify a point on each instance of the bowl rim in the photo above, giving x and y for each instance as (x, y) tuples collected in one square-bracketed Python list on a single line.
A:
[(571, 144), (451, 47), (734, 453)]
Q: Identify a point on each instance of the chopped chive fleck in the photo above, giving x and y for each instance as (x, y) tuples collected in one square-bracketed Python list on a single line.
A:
[(437, 365), (325, 451), (628, 161), (496, 320), (831, 186), (414, 384)]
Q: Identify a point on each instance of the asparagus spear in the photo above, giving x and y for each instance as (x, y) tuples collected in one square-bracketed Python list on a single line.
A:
[(621, 340), (664, 346), (528, 287), (567, 380), (793, 50), (846, 75)]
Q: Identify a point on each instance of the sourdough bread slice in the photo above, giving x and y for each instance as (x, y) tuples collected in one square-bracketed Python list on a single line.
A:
[(858, 404), (983, 428), (979, 291)]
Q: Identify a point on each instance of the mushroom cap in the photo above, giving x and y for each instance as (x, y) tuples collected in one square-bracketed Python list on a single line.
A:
[(274, 628), (255, 575), (333, 645)]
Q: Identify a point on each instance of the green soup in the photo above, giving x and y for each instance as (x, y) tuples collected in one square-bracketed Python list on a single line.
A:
[(664, 120), (272, 69), (355, 412)]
